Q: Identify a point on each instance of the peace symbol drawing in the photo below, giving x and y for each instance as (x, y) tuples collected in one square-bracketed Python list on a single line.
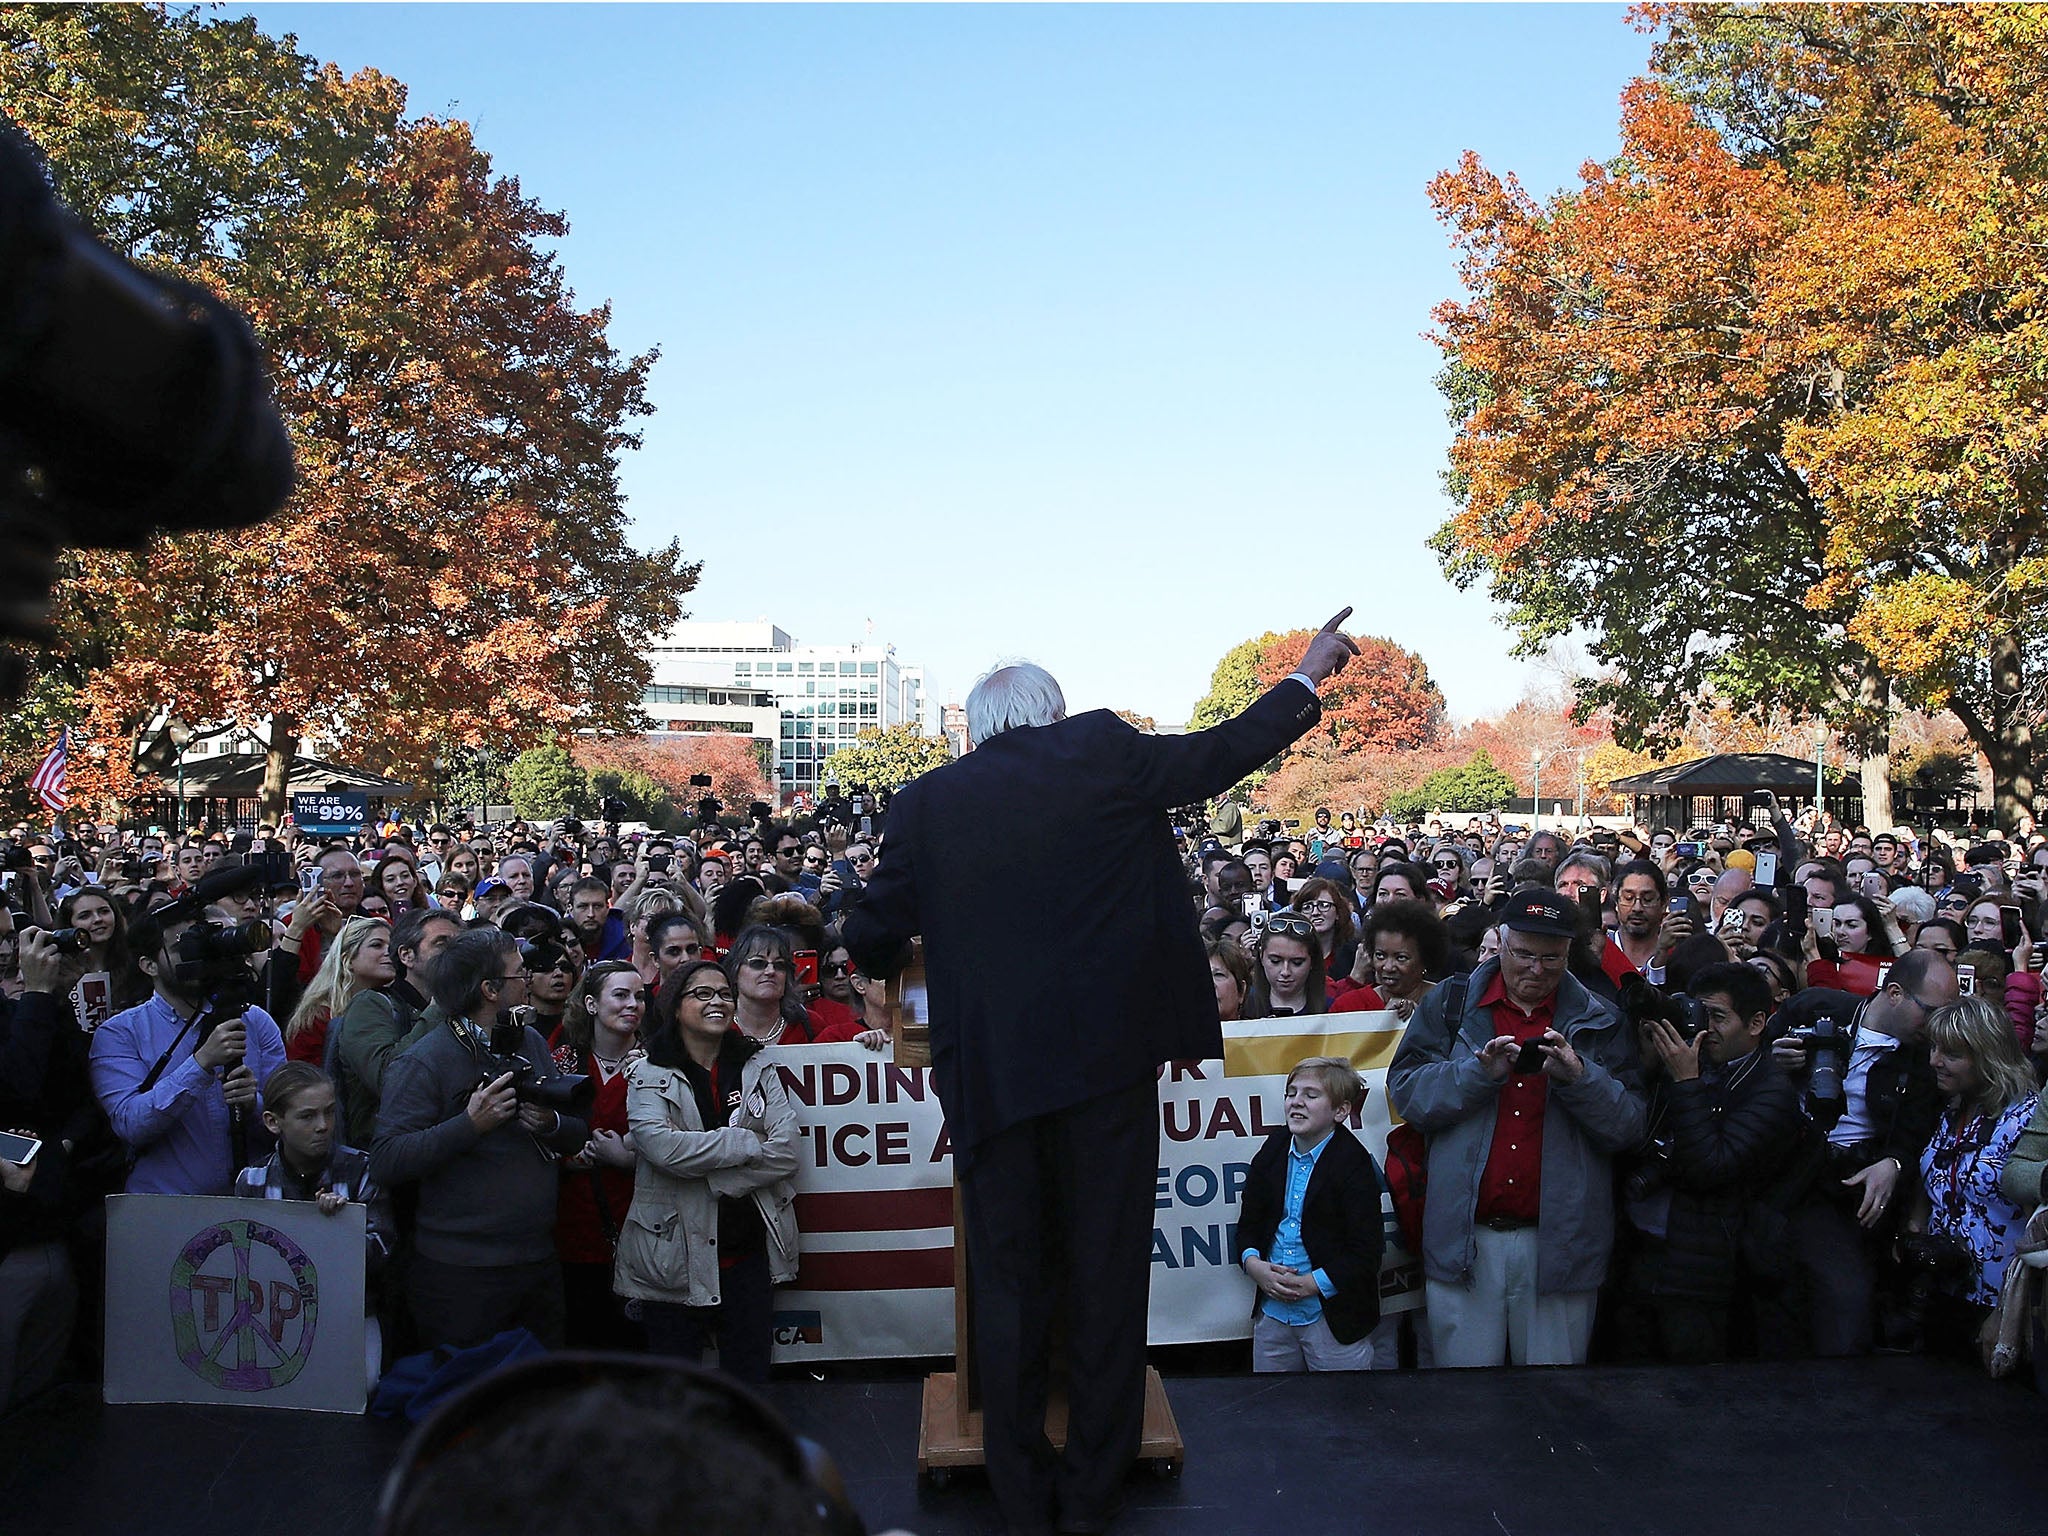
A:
[(245, 1301)]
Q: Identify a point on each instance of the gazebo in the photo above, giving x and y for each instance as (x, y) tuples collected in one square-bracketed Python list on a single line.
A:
[(229, 790), (1711, 789)]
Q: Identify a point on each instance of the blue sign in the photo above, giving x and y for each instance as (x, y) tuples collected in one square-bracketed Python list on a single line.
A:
[(345, 812)]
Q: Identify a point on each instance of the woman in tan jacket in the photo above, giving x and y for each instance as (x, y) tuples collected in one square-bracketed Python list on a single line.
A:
[(712, 1227)]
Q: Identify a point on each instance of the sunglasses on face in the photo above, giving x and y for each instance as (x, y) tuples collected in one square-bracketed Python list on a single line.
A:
[(763, 963)]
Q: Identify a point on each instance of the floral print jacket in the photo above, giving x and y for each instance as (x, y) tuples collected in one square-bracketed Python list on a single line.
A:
[(1959, 1170)]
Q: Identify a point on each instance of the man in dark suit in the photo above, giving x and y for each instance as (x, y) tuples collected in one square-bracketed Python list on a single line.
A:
[(1056, 988)]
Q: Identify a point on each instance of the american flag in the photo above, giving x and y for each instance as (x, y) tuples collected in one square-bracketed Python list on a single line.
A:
[(49, 780)]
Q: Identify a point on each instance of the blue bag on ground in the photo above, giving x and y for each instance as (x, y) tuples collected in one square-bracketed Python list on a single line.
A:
[(415, 1385)]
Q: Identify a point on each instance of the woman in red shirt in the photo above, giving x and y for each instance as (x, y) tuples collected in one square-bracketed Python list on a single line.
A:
[(600, 1038), (1404, 950)]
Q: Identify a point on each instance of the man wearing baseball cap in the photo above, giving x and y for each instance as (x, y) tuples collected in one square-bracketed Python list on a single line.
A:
[(1526, 1086)]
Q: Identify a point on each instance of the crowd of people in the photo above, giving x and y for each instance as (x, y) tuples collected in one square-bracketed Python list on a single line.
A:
[(1680, 1094), (1756, 1089)]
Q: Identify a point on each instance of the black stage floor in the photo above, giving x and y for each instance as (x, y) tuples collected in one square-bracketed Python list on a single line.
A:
[(1888, 1445)]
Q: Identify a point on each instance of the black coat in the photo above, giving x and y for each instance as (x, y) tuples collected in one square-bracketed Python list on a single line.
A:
[(45, 1091), (1342, 1226), (1062, 956), (1729, 1141)]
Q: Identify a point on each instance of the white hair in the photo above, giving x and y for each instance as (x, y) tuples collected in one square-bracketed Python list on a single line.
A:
[(1015, 693)]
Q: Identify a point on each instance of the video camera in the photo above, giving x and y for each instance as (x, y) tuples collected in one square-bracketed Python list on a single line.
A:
[(130, 403)]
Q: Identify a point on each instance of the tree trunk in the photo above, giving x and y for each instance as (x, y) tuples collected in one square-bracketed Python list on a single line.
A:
[(1874, 743), (2011, 749), (280, 752)]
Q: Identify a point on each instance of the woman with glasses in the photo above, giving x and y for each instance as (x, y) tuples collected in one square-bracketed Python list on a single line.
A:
[(451, 893), (1328, 910), (1450, 869), (712, 1227), (1289, 975), (769, 1006), (1989, 1095), (600, 1040)]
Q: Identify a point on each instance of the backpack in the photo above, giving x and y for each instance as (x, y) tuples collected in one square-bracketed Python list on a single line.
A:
[(1407, 1164)]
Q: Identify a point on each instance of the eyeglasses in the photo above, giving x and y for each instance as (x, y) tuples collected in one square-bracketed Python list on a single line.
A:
[(1294, 927), (515, 976), (787, 853), (763, 963), (860, 858), (1449, 866), (838, 968), (1547, 962), (708, 995), (1321, 904)]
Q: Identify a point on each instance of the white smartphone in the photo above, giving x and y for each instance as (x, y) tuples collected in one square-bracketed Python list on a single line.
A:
[(1767, 868), (17, 1148)]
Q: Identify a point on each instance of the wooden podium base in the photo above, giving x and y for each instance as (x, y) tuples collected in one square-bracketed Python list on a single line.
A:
[(948, 1438)]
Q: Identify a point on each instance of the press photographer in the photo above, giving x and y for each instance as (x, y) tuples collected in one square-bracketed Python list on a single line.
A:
[(178, 1074), (1863, 1067), (475, 1113), (1723, 1119)]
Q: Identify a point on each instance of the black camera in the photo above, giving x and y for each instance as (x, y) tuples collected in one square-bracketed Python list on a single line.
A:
[(1642, 1002), (570, 1093), (69, 941), (1933, 1261), (1653, 1172), (1828, 1043)]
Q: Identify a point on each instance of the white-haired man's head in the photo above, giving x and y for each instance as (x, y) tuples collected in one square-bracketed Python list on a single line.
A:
[(1016, 693)]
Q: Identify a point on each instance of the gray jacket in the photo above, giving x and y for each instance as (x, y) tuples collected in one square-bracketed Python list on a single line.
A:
[(1437, 1083), (668, 1248), (487, 1198)]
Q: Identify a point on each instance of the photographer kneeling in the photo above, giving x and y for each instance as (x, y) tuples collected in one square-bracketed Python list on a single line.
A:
[(1723, 1117), (463, 1115), (177, 1075)]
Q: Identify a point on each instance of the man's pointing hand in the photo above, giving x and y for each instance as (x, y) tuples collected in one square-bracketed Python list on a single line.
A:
[(1329, 652)]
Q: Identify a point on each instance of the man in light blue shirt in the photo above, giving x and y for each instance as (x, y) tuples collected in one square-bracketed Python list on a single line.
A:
[(167, 1093)]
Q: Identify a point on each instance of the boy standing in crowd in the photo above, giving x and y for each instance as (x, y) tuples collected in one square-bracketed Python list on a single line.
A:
[(1310, 1230)]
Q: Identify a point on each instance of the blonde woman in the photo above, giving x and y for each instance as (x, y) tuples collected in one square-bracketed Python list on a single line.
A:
[(359, 960), (1989, 1093)]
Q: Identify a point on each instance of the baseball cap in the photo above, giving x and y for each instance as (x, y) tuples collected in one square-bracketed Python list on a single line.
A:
[(1540, 911), (230, 880), (487, 887)]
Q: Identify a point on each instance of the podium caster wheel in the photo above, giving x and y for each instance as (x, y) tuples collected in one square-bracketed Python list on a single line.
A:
[(1165, 1468), (940, 1478)]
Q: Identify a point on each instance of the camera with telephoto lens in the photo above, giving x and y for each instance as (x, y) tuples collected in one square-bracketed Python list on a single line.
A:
[(1642, 1002), (1933, 1261), (69, 941), (1654, 1171), (567, 1093), (1828, 1043)]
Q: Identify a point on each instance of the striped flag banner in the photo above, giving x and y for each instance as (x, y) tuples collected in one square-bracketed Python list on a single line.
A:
[(48, 782)]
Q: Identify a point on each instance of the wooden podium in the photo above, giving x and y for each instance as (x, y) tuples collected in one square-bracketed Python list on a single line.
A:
[(949, 1430)]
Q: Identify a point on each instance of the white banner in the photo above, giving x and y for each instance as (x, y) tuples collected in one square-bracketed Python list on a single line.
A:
[(875, 1203), (219, 1300)]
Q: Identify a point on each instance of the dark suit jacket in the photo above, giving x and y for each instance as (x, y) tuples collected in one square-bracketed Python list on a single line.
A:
[(1342, 1226), (1062, 956)]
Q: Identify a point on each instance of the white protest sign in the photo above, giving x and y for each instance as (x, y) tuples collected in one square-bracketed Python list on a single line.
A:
[(219, 1300), (875, 1206)]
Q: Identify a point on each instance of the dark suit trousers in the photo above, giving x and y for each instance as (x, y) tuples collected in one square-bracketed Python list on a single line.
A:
[(1059, 1211)]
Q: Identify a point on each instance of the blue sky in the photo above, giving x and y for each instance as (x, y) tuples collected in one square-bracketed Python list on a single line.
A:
[(1088, 334)]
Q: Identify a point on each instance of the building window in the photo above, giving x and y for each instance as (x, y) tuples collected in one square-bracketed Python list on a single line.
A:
[(870, 669)]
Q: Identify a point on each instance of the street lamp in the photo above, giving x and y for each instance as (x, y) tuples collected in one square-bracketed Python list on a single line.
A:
[(180, 734), (1536, 791)]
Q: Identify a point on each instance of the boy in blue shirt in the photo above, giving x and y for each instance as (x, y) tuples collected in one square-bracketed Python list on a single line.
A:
[(1310, 1230)]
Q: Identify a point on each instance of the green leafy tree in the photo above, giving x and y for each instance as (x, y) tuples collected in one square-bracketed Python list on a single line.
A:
[(1233, 685), (545, 782), (644, 799), (1477, 784), (886, 759)]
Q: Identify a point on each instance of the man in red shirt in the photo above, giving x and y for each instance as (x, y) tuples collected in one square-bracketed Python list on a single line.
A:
[(1525, 1096)]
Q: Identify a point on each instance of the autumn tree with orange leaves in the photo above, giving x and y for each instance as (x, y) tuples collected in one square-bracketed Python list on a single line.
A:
[(453, 570), (1759, 403)]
